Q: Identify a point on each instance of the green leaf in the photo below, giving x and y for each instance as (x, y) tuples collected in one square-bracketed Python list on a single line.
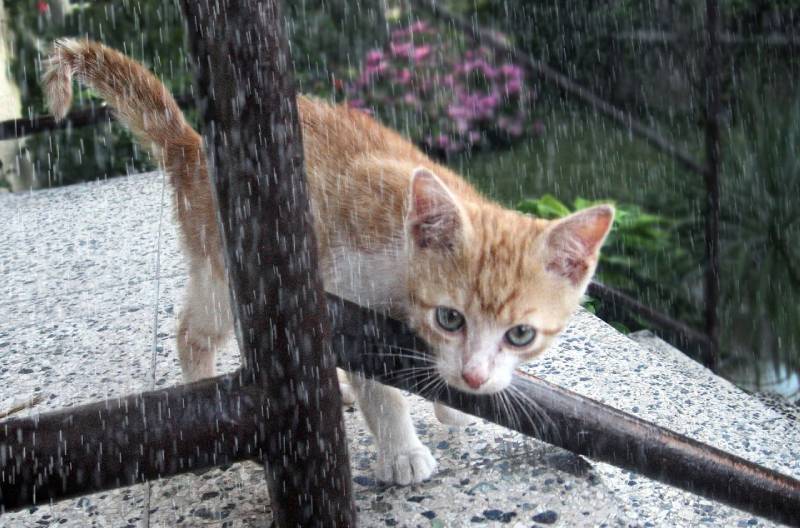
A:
[(548, 207), (621, 328)]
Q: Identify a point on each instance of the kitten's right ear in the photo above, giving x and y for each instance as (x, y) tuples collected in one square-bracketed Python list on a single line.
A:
[(434, 219), (574, 242)]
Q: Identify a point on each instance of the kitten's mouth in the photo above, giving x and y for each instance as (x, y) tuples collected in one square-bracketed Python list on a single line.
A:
[(458, 383), (455, 378)]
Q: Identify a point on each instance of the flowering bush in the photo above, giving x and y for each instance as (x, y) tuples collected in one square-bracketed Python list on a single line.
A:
[(447, 99)]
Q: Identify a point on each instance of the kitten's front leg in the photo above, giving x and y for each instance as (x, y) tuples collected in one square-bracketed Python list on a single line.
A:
[(449, 416), (402, 458)]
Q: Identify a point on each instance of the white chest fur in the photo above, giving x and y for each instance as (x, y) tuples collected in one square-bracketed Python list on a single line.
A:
[(376, 279)]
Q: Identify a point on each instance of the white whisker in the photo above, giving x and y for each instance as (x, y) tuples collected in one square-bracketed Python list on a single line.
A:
[(527, 403)]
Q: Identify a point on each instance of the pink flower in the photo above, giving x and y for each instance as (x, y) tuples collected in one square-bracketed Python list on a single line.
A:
[(375, 69), (513, 87), (410, 99), (403, 49), (371, 71), (511, 71), (469, 96), (489, 103), (374, 56), (444, 142), (460, 112), (422, 52), (358, 104), (42, 7), (417, 27), (478, 64), (512, 127), (403, 76), (515, 129), (420, 26)]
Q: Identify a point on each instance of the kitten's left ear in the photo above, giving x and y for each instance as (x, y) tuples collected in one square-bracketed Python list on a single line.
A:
[(573, 243), (434, 219)]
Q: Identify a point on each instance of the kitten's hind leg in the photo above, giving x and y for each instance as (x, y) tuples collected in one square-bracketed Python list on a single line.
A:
[(402, 458), (204, 323)]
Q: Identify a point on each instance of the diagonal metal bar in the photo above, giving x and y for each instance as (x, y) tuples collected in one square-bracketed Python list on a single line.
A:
[(577, 423), (79, 117), (624, 118), (170, 431), (676, 332)]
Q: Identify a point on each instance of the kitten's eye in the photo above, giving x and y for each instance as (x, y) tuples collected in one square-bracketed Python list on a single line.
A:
[(449, 319), (520, 335)]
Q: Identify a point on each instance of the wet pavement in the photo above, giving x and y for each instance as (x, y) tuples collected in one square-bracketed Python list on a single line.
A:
[(92, 280)]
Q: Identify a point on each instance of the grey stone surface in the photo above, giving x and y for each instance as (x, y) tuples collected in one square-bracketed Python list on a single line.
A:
[(88, 306)]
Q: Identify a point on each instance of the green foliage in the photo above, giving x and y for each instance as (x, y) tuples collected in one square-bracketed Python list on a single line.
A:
[(325, 35), (638, 240), (328, 38), (148, 30), (595, 307), (760, 231), (642, 256), (548, 206)]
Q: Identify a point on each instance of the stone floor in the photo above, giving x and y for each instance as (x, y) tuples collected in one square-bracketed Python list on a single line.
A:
[(92, 276)]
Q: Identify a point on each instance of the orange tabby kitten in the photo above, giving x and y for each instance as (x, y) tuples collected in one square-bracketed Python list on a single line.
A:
[(487, 287)]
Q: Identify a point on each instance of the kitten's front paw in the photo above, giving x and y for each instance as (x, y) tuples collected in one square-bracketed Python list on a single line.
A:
[(407, 466), (449, 416), (348, 394)]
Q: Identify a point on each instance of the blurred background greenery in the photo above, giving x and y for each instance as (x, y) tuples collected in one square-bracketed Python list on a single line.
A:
[(462, 103)]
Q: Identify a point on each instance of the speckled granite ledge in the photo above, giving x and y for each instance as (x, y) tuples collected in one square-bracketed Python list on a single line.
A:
[(88, 302)]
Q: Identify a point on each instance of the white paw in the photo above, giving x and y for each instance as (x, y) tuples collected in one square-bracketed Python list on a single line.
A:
[(449, 416), (348, 393), (346, 388), (407, 466)]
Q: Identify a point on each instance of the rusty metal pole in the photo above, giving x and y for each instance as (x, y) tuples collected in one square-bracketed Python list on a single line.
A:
[(253, 140), (713, 161)]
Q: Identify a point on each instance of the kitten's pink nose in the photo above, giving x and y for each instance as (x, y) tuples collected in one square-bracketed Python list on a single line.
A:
[(474, 378)]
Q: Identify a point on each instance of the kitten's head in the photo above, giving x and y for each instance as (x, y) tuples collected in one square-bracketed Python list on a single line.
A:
[(491, 288)]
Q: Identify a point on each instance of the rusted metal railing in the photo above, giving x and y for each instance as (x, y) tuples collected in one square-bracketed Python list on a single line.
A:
[(170, 431), (712, 86)]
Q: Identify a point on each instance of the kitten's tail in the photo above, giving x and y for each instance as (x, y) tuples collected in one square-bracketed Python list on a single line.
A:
[(144, 105), (139, 100)]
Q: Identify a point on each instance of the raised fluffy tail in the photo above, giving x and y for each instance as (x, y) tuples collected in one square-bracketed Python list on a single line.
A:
[(140, 101), (144, 105)]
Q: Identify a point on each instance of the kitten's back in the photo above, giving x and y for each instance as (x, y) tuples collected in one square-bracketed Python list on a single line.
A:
[(358, 170)]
